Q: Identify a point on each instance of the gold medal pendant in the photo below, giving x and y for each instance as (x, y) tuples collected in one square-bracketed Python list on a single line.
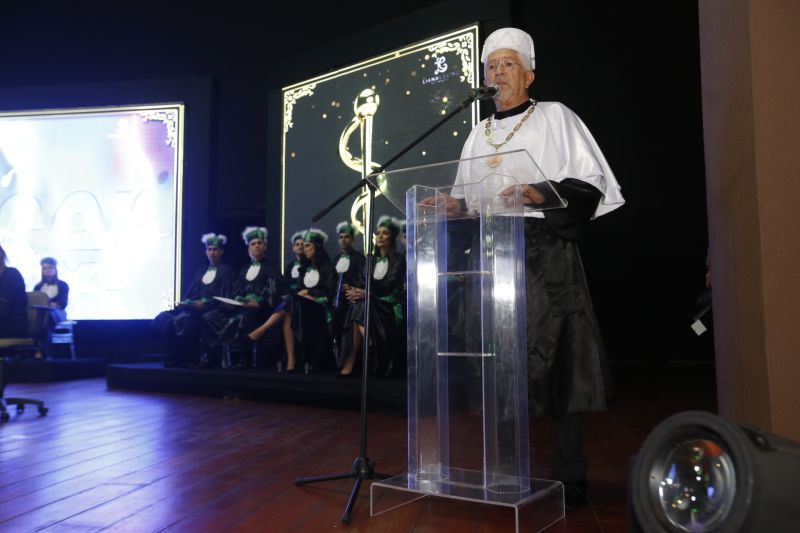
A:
[(494, 161)]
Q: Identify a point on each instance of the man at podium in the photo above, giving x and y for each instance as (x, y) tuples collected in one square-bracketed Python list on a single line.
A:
[(567, 369)]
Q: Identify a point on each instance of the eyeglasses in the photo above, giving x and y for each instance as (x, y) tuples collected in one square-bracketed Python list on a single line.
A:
[(505, 64)]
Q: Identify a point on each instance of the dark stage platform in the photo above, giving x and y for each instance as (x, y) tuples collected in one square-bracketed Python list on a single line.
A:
[(317, 389), (29, 370)]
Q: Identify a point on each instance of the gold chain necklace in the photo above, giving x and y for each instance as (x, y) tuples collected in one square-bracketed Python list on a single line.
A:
[(495, 160)]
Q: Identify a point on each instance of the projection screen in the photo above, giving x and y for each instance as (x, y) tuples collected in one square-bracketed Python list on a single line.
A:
[(99, 190)]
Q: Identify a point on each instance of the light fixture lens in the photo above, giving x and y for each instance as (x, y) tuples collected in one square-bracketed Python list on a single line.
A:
[(695, 485)]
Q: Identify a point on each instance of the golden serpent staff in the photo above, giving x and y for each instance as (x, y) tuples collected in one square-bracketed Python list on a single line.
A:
[(365, 106)]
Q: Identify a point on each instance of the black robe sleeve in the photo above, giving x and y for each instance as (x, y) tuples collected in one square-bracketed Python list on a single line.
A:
[(582, 200), (227, 280), (13, 304)]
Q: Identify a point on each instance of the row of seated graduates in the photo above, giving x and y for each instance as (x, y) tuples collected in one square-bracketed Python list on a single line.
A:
[(309, 319), (206, 328), (322, 321)]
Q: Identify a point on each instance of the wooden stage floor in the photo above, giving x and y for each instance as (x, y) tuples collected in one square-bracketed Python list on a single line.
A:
[(122, 460)]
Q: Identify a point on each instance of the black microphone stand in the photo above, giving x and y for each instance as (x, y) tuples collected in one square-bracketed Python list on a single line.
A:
[(363, 467)]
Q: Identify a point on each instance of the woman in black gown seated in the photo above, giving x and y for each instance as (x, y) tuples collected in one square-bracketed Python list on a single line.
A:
[(387, 316), (306, 313)]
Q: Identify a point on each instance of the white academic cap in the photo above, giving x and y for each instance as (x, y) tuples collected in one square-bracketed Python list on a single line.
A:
[(512, 38), (254, 232), (212, 239)]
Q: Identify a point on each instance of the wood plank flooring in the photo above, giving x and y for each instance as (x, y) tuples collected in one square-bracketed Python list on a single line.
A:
[(106, 460)]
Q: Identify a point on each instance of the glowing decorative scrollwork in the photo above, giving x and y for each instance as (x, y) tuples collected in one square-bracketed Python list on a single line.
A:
[(169, 118), (463, 45), (289, 99), (365, 106)]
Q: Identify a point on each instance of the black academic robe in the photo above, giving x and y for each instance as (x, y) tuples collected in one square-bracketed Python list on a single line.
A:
[(221, 285), (354, 277), (292, 273), (59, 313), (312, 320), (387, 317), (182, 326), (62, 297), (265, 289), (13, 305), (567, 366)]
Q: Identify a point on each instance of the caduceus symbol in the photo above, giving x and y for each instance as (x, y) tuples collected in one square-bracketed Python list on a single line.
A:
[(364, 106)]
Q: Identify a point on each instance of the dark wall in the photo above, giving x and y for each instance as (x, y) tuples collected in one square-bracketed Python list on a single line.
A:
[(630, 71)]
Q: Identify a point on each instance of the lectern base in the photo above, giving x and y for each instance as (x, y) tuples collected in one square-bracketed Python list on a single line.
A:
[(535, 509)]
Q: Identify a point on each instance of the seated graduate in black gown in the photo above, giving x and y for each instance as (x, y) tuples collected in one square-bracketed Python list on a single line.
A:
[(257, 292), (182, 326), (306, 314), (13, 301), (387, 320), (292, 272), (55, 289), (292, 281), (349, 265)]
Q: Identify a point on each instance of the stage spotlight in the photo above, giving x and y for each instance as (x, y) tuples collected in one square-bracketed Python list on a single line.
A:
[(698, 472)]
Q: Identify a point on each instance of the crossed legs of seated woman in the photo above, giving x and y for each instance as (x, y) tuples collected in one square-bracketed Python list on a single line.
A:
[(284, 318)]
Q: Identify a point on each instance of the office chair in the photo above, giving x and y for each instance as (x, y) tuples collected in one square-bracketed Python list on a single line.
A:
[(38, 309)]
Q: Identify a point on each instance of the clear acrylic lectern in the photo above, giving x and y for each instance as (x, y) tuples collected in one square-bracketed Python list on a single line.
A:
[(467, 365)]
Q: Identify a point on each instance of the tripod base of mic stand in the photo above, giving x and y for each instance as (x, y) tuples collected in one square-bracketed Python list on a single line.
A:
[(363, 469)]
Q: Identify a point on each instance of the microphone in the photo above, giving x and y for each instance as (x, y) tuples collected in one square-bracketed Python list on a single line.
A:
[(482, 93)]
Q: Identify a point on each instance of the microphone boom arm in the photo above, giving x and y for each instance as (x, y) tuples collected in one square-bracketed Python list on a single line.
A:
[(364, 182)]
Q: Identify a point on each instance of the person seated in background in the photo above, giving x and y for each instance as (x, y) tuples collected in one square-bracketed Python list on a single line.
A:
[(387, 320), (55, 289), (13, 301), (292, 271), (257, 291), (306, 315), (349, 265), (181, 327)]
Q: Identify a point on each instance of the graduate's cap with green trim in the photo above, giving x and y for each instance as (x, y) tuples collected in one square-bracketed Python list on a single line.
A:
[(212, 239), (315, 235), (254, 232), (390, 223), (345, 227), (298, 235)]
